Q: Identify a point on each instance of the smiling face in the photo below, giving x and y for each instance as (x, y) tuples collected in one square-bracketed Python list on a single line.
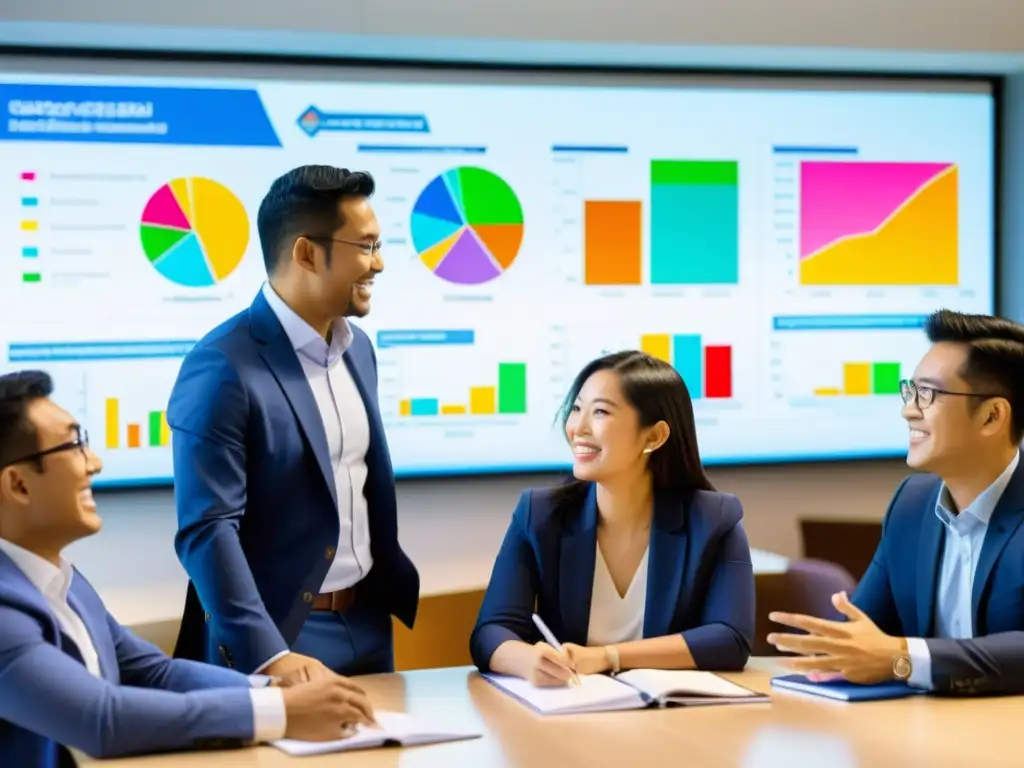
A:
[(55, 506), (605, 434), (953, 429), (342, 266), (354, 268)]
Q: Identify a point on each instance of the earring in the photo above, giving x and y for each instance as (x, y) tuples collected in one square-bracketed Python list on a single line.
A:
[(648, 450)]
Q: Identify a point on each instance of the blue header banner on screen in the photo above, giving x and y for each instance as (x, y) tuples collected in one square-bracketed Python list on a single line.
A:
[(114, 114)]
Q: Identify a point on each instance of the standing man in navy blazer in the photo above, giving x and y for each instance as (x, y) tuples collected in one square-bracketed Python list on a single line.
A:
[(951, 561), (287, 522)]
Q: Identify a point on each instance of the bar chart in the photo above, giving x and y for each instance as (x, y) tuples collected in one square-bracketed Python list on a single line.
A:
[(444, 375), (838, 360), (506, 398), (694, 222), (707, 369), (865, 378), (120, 401), (151, 432)]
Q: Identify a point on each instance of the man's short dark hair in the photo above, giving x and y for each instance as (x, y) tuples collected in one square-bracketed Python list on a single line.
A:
[(995, 356), (305, 201), (18, 391)]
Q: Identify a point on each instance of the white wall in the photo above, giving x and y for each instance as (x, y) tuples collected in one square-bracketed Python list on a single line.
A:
[(917, 25)]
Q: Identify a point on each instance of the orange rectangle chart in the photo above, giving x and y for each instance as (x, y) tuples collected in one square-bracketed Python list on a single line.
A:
[(612, 242)]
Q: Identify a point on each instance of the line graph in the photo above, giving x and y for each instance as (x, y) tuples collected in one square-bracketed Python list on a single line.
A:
[(878, 223)]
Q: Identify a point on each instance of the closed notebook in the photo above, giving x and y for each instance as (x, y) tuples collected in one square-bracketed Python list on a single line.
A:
[(636, 689), (844, 690), (396, 729)]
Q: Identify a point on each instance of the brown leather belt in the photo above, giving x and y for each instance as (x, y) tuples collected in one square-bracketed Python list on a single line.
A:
[(335, 601)]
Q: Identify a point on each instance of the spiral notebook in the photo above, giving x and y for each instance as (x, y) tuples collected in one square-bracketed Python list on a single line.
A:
[(635, 689)]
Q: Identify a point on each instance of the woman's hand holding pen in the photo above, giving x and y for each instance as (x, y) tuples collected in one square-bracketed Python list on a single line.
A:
[(546, 667)]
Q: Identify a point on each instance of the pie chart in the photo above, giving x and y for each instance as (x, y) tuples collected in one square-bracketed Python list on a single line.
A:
[(194, 231), (467, 226)]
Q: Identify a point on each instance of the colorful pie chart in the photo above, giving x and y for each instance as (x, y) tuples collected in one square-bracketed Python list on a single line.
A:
[(194, 231), (467, 226)]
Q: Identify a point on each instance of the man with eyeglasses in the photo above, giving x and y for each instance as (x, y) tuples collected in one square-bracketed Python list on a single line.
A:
[(942, 603), (287, 519), (71, 677)]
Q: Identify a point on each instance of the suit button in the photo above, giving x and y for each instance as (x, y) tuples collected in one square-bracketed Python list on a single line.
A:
[(307, 597), (328, 553)]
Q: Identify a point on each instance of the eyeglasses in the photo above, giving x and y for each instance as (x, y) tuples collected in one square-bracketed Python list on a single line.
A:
[(80, 442), (369, 249), (924, 396)]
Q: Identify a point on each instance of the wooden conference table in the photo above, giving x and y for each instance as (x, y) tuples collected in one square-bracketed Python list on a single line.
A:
[(790, 732)]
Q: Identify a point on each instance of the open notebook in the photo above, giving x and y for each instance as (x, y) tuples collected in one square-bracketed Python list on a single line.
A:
[(396, 729), (635, 689)]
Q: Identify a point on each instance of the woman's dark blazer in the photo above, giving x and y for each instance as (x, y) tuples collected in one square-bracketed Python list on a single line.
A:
[(700, 580)]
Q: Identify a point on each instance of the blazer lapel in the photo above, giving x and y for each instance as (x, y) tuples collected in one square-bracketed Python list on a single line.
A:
[(929, 553), (666, 564), (284, 363), (1006, 519), (577, 560)]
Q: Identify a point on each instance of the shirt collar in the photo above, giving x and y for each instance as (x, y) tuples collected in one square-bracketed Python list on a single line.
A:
[(983, 506), (52, 581), (302, 335)]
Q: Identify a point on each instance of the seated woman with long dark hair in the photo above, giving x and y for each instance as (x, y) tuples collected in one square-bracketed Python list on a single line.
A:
[(638, 562)]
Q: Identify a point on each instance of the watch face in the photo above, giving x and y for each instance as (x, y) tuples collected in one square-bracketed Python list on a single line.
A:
[(901, 667)]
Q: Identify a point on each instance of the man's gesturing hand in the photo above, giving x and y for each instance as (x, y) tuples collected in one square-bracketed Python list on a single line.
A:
[(857, 649)]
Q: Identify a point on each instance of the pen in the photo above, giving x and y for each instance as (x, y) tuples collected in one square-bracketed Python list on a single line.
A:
[(553, 642)]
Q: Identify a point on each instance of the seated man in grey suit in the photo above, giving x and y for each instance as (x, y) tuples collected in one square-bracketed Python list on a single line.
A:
[(70, 675)]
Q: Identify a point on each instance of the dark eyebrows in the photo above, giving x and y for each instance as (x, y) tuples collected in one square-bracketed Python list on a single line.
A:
[(603, 400)]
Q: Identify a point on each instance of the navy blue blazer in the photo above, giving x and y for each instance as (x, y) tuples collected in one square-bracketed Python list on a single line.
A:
[(898, 591), (700, 580), (143, 701), (990, 665), (257, 509)]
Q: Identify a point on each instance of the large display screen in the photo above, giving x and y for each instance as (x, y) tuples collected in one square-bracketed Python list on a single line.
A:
[(779, 243)]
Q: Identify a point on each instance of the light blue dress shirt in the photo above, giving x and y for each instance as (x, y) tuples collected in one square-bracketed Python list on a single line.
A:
[(965, 535)]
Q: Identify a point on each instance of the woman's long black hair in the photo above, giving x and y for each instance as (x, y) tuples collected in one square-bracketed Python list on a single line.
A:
[(658, 393)]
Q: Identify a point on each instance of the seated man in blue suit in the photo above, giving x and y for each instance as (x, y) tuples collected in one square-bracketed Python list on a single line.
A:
[(637, 563), (70, 675), (950, 564), (287, 515)]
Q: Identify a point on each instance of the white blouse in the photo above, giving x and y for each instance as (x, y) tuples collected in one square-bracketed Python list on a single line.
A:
[(615, 619)]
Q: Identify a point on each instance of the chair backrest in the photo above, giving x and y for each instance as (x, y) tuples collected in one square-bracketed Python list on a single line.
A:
[(850, 543), (806, 587)]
